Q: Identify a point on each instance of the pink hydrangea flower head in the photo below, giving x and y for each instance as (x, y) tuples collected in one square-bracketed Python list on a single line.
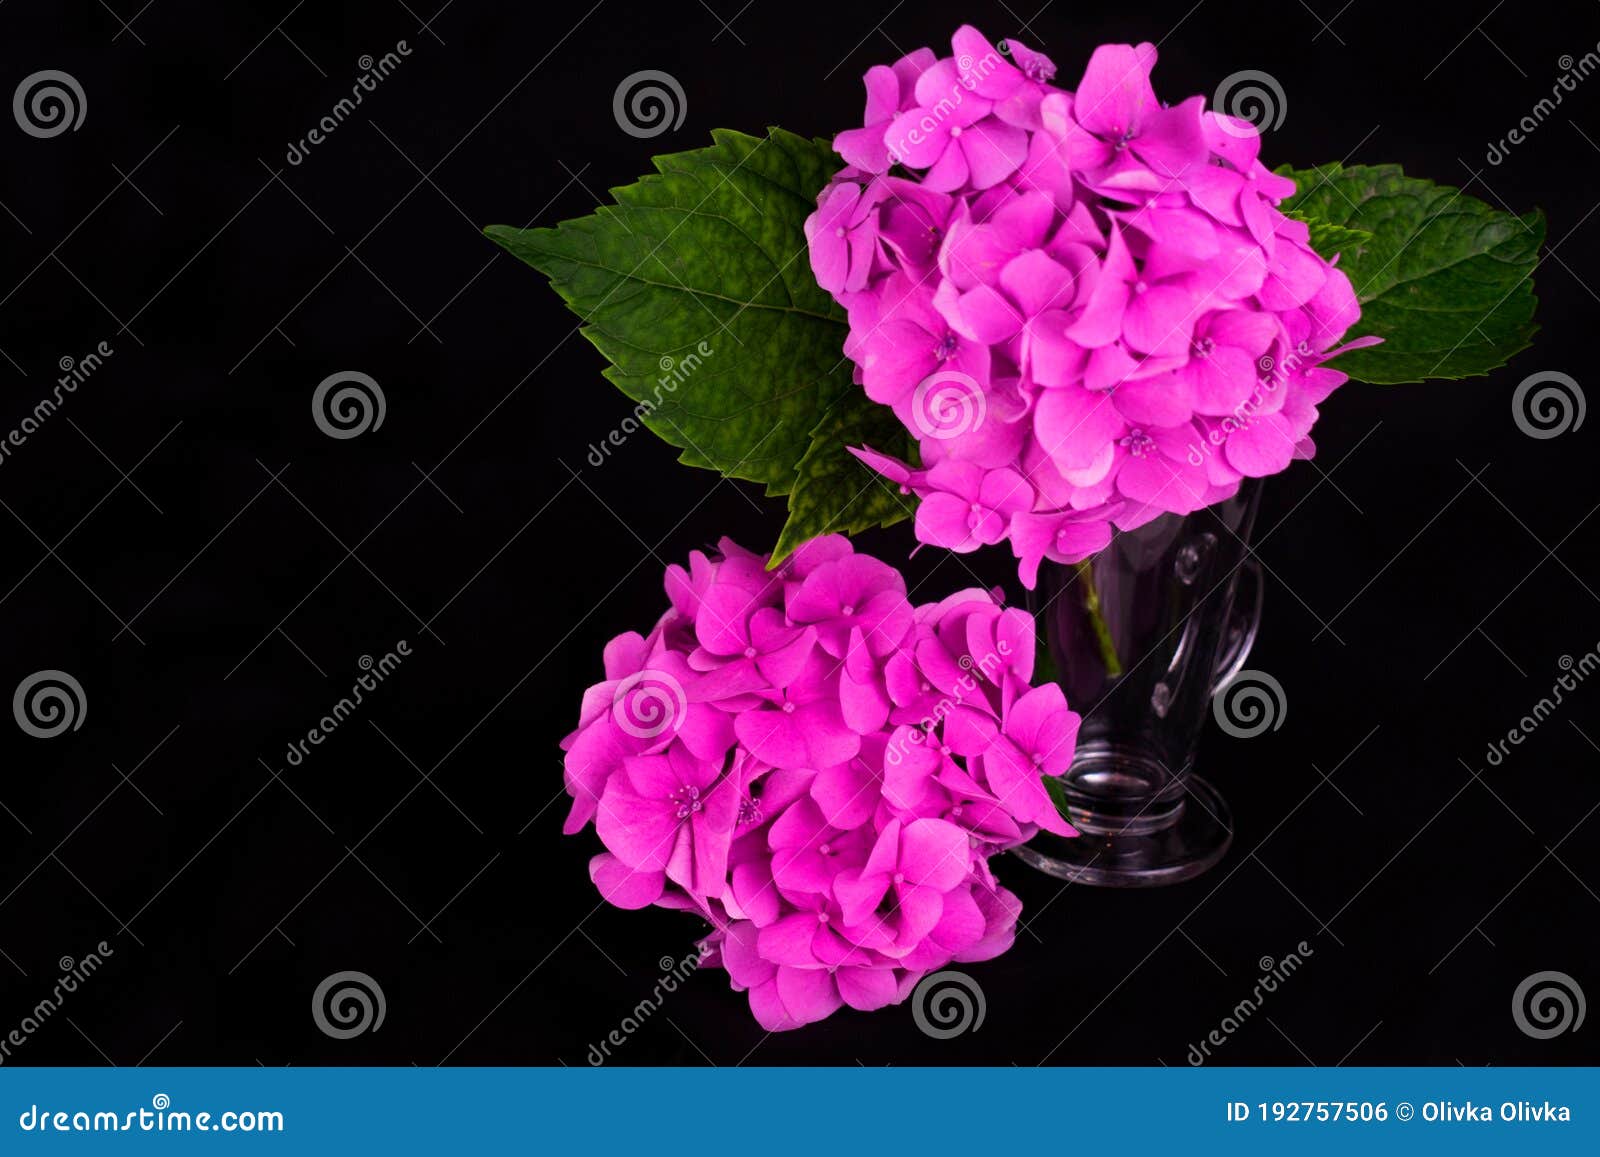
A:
[(1086, 306), (820, 770)]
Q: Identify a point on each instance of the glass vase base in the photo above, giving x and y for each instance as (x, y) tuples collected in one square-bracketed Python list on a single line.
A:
[(1195, 840)]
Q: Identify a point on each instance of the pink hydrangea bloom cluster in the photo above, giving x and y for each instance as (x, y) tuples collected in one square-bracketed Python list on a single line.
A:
[(1086, 306), (820, 769)]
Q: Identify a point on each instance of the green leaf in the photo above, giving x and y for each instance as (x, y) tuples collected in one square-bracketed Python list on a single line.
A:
[(1044, 664), (1057, 792), (1445, 279), (697, 287), (834, 491), (1328, 239), (708, 257)]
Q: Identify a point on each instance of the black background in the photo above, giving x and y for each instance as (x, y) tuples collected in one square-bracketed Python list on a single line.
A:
[(185, 492)]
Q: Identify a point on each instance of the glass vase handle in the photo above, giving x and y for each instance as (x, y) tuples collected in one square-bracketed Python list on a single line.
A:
[(1244, 625)]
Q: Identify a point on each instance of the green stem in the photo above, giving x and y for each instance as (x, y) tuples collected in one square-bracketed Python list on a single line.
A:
[(1097, 619)]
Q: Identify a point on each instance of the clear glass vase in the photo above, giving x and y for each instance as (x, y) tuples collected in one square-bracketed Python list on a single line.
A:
[(1141, 636)]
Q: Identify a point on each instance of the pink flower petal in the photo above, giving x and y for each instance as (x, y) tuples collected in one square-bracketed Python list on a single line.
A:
[(622, 885)]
